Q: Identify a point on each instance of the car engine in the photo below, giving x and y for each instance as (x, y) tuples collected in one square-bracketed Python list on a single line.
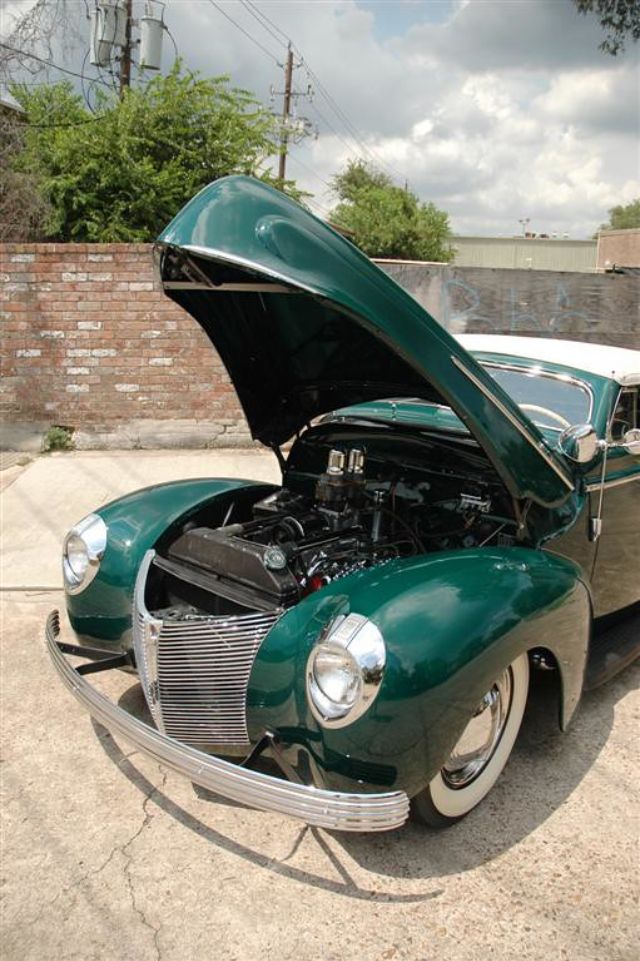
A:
[(293, 545)]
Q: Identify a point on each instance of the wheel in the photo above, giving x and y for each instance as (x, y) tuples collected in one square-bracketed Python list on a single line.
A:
[(481, 754), (551, 414)]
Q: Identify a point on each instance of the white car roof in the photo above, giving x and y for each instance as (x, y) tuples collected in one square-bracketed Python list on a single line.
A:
[(618, 363)]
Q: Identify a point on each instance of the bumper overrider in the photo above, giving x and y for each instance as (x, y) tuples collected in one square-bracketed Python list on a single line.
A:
[(336, 810)]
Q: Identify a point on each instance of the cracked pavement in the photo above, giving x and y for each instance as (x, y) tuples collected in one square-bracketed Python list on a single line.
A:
[(107, 856)]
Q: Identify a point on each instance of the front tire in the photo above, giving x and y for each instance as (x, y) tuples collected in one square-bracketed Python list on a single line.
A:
[(480, 755)]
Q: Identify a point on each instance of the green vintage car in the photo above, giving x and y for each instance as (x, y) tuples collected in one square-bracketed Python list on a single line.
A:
[(470, 511)]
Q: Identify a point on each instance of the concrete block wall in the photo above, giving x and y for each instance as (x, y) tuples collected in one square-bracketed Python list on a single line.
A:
[(90, 342), (600, 308)]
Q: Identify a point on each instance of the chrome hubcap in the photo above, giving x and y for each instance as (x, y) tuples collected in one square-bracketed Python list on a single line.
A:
[(481, 736)]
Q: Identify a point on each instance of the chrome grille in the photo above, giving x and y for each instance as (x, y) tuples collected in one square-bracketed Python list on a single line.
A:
[(195, 672)]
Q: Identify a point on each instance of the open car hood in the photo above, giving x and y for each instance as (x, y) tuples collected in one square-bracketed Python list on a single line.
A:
[(305, 323)]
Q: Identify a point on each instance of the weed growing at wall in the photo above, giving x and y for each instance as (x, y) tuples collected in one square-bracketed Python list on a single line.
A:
[(58, 438)]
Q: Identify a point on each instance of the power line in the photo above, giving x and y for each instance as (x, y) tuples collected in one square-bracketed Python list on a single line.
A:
[(310, 170), (49, 126), (269, 25), (245, 32), (273, 29), (264, 22), (318, 209), (48, 63), (285, 38), (341, 114), (331, 127)]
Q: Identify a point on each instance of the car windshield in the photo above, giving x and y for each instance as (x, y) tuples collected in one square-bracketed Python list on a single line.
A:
[(551, 402)]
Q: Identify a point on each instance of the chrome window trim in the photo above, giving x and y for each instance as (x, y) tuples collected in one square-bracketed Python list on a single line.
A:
[(538, 445), (540, 372), (623, 390)]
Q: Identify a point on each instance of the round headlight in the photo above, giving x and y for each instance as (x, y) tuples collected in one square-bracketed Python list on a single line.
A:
[(84, 547), (337, 676), (77, 556), (344, 671)]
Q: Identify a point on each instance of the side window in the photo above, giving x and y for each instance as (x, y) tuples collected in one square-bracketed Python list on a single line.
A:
[(626, 414)]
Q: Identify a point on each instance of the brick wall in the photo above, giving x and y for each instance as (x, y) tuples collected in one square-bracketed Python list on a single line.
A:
[(89, 341), (619, 247)]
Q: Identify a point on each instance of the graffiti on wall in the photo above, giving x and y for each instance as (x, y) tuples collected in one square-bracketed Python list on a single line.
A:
[(556, 311), (603, 308)]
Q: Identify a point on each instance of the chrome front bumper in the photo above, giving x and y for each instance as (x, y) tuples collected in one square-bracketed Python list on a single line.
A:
[(335, 810)]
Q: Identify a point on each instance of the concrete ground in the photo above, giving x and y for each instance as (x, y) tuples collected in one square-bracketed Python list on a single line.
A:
[(107, 856)]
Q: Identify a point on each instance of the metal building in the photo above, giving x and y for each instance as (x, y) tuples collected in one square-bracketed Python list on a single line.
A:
[(533, 253)]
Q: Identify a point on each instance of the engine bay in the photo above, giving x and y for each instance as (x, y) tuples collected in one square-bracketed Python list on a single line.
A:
[(365, 508)]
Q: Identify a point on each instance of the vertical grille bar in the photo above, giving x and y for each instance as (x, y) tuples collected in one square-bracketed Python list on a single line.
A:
[(195, 672)]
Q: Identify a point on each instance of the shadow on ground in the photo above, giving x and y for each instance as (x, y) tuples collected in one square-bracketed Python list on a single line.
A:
[(544, 770)]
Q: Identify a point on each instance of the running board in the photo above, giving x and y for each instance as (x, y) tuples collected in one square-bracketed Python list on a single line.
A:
[(612, 649)]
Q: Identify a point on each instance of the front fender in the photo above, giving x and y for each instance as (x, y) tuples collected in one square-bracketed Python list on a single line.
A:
[(135, 523), (451, 622)]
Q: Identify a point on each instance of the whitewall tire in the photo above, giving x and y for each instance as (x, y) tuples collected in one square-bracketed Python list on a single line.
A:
[(481, 754)]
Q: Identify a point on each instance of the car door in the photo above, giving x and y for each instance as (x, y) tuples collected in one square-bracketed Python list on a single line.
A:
[(616, 571)]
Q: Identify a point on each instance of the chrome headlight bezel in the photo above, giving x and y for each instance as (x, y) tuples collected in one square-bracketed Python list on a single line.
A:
[(90, 536), (358, 644)]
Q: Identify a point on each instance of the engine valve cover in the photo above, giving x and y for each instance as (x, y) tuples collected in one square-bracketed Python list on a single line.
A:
[(228, 556)]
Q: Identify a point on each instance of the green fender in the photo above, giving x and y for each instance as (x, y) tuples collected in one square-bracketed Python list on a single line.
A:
[(451, 622), (135, 523)]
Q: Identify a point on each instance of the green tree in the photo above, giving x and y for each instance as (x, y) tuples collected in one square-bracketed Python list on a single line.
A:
[(122, 174), (624, 217), (388, 221), (22, 210), (620, 19)]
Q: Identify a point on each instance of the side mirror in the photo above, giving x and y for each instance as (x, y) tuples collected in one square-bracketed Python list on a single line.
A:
[(579, 443), (631, 441)]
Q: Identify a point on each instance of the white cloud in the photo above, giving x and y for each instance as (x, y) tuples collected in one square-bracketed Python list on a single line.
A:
[(494, 110), (596, 100)]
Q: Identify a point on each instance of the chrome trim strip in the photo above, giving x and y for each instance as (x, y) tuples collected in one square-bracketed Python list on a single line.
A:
[(336, 810), (146, 633), (213, 253), (245, 288), (528, 372), (539, 446), (623, 390), (616, 482), (93, 531)]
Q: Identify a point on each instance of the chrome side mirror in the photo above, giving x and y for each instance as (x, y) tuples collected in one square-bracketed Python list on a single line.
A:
[(579, 443), (631, 441)]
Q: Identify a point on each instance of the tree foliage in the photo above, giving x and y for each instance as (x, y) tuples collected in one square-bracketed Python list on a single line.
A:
[(620, 20), (387, 221), (624, 217), (22, 209), (121, 174)]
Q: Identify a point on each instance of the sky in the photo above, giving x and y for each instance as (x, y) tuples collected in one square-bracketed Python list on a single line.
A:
[(497, 111)]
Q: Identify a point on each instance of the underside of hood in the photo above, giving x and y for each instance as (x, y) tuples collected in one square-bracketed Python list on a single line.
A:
[(305, 323)]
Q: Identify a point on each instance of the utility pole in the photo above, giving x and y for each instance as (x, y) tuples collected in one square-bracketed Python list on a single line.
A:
[(286, 109), (125, 59)]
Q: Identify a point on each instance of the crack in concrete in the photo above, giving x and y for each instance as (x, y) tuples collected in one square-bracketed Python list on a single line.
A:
[(122, 849), (148, 817)]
